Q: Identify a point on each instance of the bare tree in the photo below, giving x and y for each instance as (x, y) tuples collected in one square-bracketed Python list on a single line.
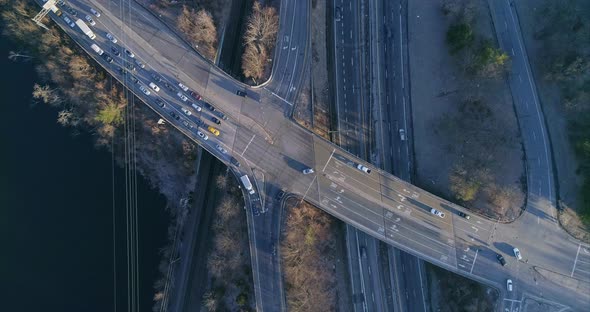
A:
[(253, 62), (200, 30), (45, 94), (259, 40), (209, 301)]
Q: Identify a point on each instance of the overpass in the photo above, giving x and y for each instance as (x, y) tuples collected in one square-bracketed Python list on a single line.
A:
[(261, 135)]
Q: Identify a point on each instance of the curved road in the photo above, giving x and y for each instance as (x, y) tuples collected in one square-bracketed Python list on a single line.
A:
[(262, 137)]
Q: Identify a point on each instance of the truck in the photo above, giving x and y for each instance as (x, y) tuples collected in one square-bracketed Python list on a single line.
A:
[(246, 182), (85, 29), (97, 49)]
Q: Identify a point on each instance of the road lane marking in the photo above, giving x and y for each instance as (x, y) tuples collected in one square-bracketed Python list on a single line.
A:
[(576, 260), (334, 150), (253, 136), (474, 259)]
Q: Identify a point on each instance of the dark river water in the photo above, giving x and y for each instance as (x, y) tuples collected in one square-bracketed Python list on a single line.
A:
[(56, 211)]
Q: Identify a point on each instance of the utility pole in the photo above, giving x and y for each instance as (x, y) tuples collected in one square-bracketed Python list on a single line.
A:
[(44, 10)]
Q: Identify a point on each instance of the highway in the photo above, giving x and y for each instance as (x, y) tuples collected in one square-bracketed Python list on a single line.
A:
[(261, 136)]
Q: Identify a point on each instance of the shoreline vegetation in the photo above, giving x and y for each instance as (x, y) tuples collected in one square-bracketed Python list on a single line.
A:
[(88, 99)]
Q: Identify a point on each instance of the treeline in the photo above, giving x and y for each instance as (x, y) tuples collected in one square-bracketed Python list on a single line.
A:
[(259, 41), (308, 258)]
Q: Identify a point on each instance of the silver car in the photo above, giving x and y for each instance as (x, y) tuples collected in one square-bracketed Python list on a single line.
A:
[(221, 149), (144, 90), (437, 213), (111, 38), (90, 20), (202, 135), (182, 96)]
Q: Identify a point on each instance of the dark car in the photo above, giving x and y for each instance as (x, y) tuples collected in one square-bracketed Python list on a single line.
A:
[(280, 195), (134, 79), (115, 51), (122, 70), (160, 103), (234, 162), (195, 95), (169, 87), (221, 115), (464, 215), (215, 120), (157, 78), (501, 259), (363, 252), (130, 66), (107, 57), (173, 114), (241, 93), (210, 107)]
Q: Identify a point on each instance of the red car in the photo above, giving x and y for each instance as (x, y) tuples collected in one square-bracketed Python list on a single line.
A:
[(195, 95)]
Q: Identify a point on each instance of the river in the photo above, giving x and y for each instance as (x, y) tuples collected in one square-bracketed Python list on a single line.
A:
[(56, 211)]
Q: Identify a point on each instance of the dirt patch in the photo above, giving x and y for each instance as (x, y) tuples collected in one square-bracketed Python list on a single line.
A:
[(467, 142), (308, 249), (453, 292), (562, 87), (314, 105)]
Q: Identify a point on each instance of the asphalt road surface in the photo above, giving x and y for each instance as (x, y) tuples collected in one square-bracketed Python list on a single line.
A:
[(260, 135)]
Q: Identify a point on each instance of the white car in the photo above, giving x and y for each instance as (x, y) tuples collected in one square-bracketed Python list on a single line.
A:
[(221, 149), (95, 12), (308, 171), (183, 87), (517, 253), (509, 284), (437, 213), (154, 87), (90, 20), (182, 96), (197, 107), (144, 90), (363, 168), (202, 135), (111, 38), (186, 111), (402, 134)]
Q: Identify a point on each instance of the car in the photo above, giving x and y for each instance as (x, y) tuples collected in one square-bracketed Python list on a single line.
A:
[(122, 70), (170, 87), (186, 111), (402, 134), (210, 107), (183, 87), (129, 53), (140, 64), (69, 21), (186, 124), (130, 66), (221, 115), (338, 14), (501, 259), (61, 3), (173, 114), (363, 252), (215, 120), (213, 130), (157, 77), (144, 90), (221, 149), (195, 95), (72, 11), (280, 195), (437, 213), (134, 79), (115, 51), (107, 57), (111, 38), (234, 162), (517, 253), (509, 284), (464, 215), (363, 168), (182, 96), (241, 93), (95, 12), (154, 87), (90, 20), (202, 135), (160, 103), (196, 107), (307, 171)]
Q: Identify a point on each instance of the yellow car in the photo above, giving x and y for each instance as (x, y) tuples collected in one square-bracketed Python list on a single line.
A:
[(213, 130)]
